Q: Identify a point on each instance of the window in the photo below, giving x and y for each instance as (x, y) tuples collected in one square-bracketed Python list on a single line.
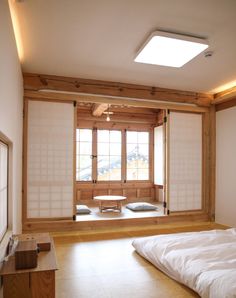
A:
[(83, 154), (99, 155), (109, 155), (137, 156), (3, 188)]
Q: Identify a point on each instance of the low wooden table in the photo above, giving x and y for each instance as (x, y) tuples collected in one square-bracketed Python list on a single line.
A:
[(105, 202)]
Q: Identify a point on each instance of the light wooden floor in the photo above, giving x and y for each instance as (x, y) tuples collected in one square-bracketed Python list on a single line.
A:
[(92, 267)]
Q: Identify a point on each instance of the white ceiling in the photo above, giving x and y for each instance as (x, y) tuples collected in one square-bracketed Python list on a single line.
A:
[(98, 39)]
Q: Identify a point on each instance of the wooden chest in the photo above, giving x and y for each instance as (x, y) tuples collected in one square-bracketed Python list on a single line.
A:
[(36, 282), (26, 255)]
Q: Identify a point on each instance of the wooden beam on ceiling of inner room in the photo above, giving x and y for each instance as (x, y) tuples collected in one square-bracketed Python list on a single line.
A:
[(63, 96), (119, 117), (98, 109), (48, 82), (224, 96)]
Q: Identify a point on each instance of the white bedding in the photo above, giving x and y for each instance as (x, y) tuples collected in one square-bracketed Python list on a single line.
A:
[(204, 261)]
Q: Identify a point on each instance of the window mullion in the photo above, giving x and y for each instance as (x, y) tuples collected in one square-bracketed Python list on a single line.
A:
[(94, 153), (123, 156)]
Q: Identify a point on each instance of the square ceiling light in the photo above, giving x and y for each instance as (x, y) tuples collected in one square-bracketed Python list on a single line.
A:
[(170, 49)]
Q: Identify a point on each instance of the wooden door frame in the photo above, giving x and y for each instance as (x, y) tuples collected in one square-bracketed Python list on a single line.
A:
[(207, 168), (67, 97)]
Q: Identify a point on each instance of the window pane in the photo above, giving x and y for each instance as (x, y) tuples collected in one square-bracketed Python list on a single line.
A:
[(85, 168), (143, 137), (109, 170), (103, 148), (132, 164), (77, 148), (3, 188), (132, 150), (103, 136), (115, 136), (103, 163), (132, 174), (85, 148), (143, 163), (109, 155), (85, 161), (83, 176), (132, 137), (115, 174), (83, 154), (103, 167), (143, 150), (137, 150), (85, 135), (115, 149), (77, 134), (77, 163), (3, 168), (143, 174), (115, 162)]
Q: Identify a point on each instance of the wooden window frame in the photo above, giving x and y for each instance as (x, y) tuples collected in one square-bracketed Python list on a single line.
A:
[(7, 210), (92, 154), (151, 159), (123, 156)]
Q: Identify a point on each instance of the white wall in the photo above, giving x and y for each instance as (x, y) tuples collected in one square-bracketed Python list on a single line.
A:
[(11, 106), (226, 167)]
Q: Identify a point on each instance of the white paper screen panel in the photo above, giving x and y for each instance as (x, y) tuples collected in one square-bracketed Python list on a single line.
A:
[(159, 155), (50, 159), (3, 188), (185, 161)]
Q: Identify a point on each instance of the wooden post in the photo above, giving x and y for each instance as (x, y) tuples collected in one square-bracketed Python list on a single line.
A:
[(212, 162), (74, 158)]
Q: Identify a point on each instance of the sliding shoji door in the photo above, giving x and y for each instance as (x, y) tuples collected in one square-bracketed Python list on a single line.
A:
[(184, 161), (50, 153)]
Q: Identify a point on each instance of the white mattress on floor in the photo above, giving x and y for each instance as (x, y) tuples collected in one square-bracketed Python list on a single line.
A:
[(204, 261)]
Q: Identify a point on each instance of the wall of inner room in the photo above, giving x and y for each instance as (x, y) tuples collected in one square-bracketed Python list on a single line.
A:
[(225, 167)]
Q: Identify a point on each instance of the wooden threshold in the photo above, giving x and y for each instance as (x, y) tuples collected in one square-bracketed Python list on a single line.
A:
[(134, 231), (70, 225)]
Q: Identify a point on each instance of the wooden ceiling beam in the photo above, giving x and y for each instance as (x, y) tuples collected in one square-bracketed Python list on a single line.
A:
[(224, 96), (69, 97), (98, 109), (36, 82)]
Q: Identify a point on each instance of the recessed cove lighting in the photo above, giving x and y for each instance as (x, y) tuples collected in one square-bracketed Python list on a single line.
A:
[(170, 49)]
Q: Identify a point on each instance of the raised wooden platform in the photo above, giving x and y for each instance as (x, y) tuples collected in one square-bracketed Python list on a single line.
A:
[(70, 225), (109, 214)]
